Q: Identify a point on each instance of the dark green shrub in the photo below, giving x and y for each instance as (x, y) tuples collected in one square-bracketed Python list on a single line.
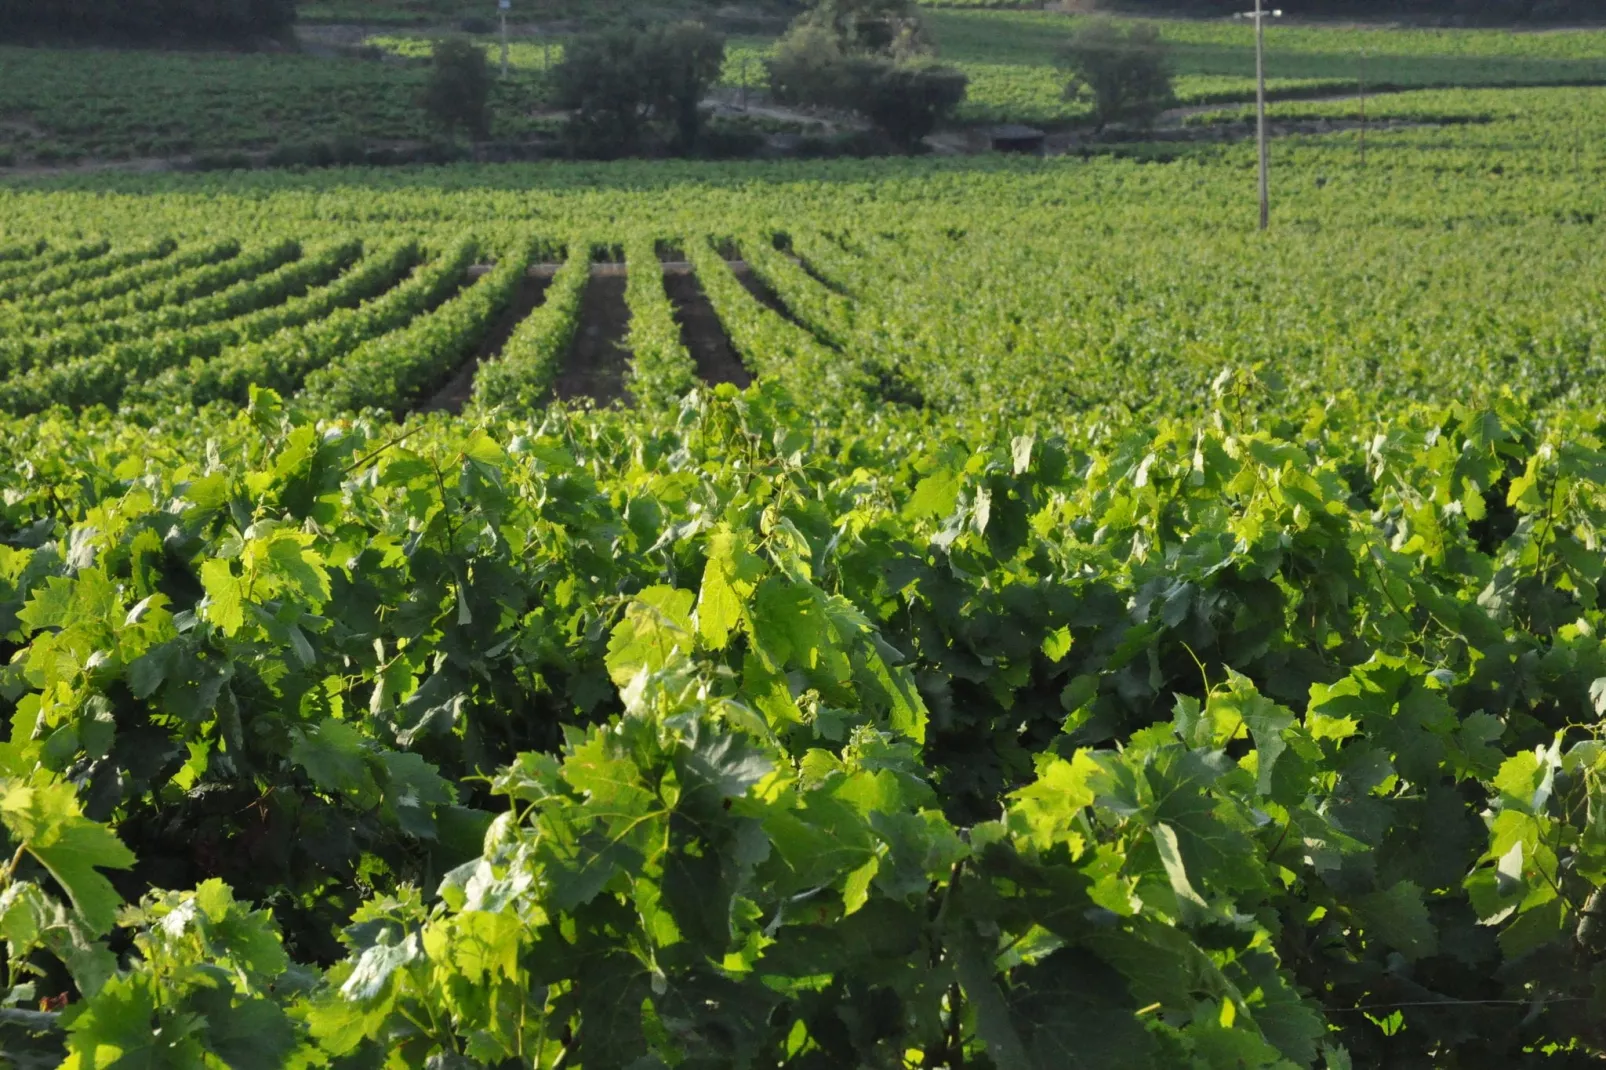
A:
[(679, 63), (628, 90), (878, 27), (810, 68), (598, 85), (1124, 73), (907, 101), (862, 56), (239, 21), (458, 93)]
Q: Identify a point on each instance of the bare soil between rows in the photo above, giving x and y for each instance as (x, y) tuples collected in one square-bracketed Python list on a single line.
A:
[(597, 364), (598, 359), (527, 297), (702, 333)]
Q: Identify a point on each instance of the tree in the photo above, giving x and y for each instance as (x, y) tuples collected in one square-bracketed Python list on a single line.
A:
[(1125, 73), (810, 67), (458, 93), (598, 84), (878, 27), (680, 62), (866, 56), (624, 86), (906, 101)]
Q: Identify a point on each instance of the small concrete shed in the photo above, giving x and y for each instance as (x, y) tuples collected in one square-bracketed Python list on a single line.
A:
[(1013, 137)]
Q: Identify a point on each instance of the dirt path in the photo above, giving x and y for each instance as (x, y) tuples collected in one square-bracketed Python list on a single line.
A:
[(144, 165), (597, 361), (767, 297), (702, 334), (772, 301), (460, 387), (813, 273), (1175, 116)]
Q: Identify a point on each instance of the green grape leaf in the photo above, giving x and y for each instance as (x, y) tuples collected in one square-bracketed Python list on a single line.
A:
[(656, 624), (1400, 919), (297, 567), (1074, 1012), (46, 818), (119, 1028), (335, 757), (1057, 644), (611, 991), (50, 606), (252, 1034), (973, 962), (1046, 810), (225, 596), (414, 790), (934, 496), (729, 579), (789, 623), (375, 966)]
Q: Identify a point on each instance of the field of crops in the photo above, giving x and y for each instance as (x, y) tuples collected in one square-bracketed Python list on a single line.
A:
[(60, 107), (1103, 636)]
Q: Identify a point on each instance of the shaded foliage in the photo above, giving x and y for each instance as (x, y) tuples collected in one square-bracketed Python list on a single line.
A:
[(1124, 71), (869, 57), (458, 93), (632, 89), (234, 20)]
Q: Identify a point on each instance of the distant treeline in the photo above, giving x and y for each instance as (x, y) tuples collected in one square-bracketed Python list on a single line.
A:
[(147, 20), (1468, 10)]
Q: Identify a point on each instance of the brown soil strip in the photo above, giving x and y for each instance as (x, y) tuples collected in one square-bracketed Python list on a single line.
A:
[(598, 359), (1176, 115), (605, 268), (702, 334), (768, 298), (460, 387), (809, 270), (1226, 132)]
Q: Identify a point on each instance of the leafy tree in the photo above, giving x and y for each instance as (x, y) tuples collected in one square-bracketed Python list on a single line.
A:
[(906, 101), (880, 27), (624, 85), (864, 56), (458, 92), (599, 85), (1125, 73), (679, 63), (810, 67)]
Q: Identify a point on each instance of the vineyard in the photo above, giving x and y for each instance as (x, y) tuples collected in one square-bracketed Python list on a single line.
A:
[(63, 107), (963, 613)]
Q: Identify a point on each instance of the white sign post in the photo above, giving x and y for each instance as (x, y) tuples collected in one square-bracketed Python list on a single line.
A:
[(1260, 14)]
